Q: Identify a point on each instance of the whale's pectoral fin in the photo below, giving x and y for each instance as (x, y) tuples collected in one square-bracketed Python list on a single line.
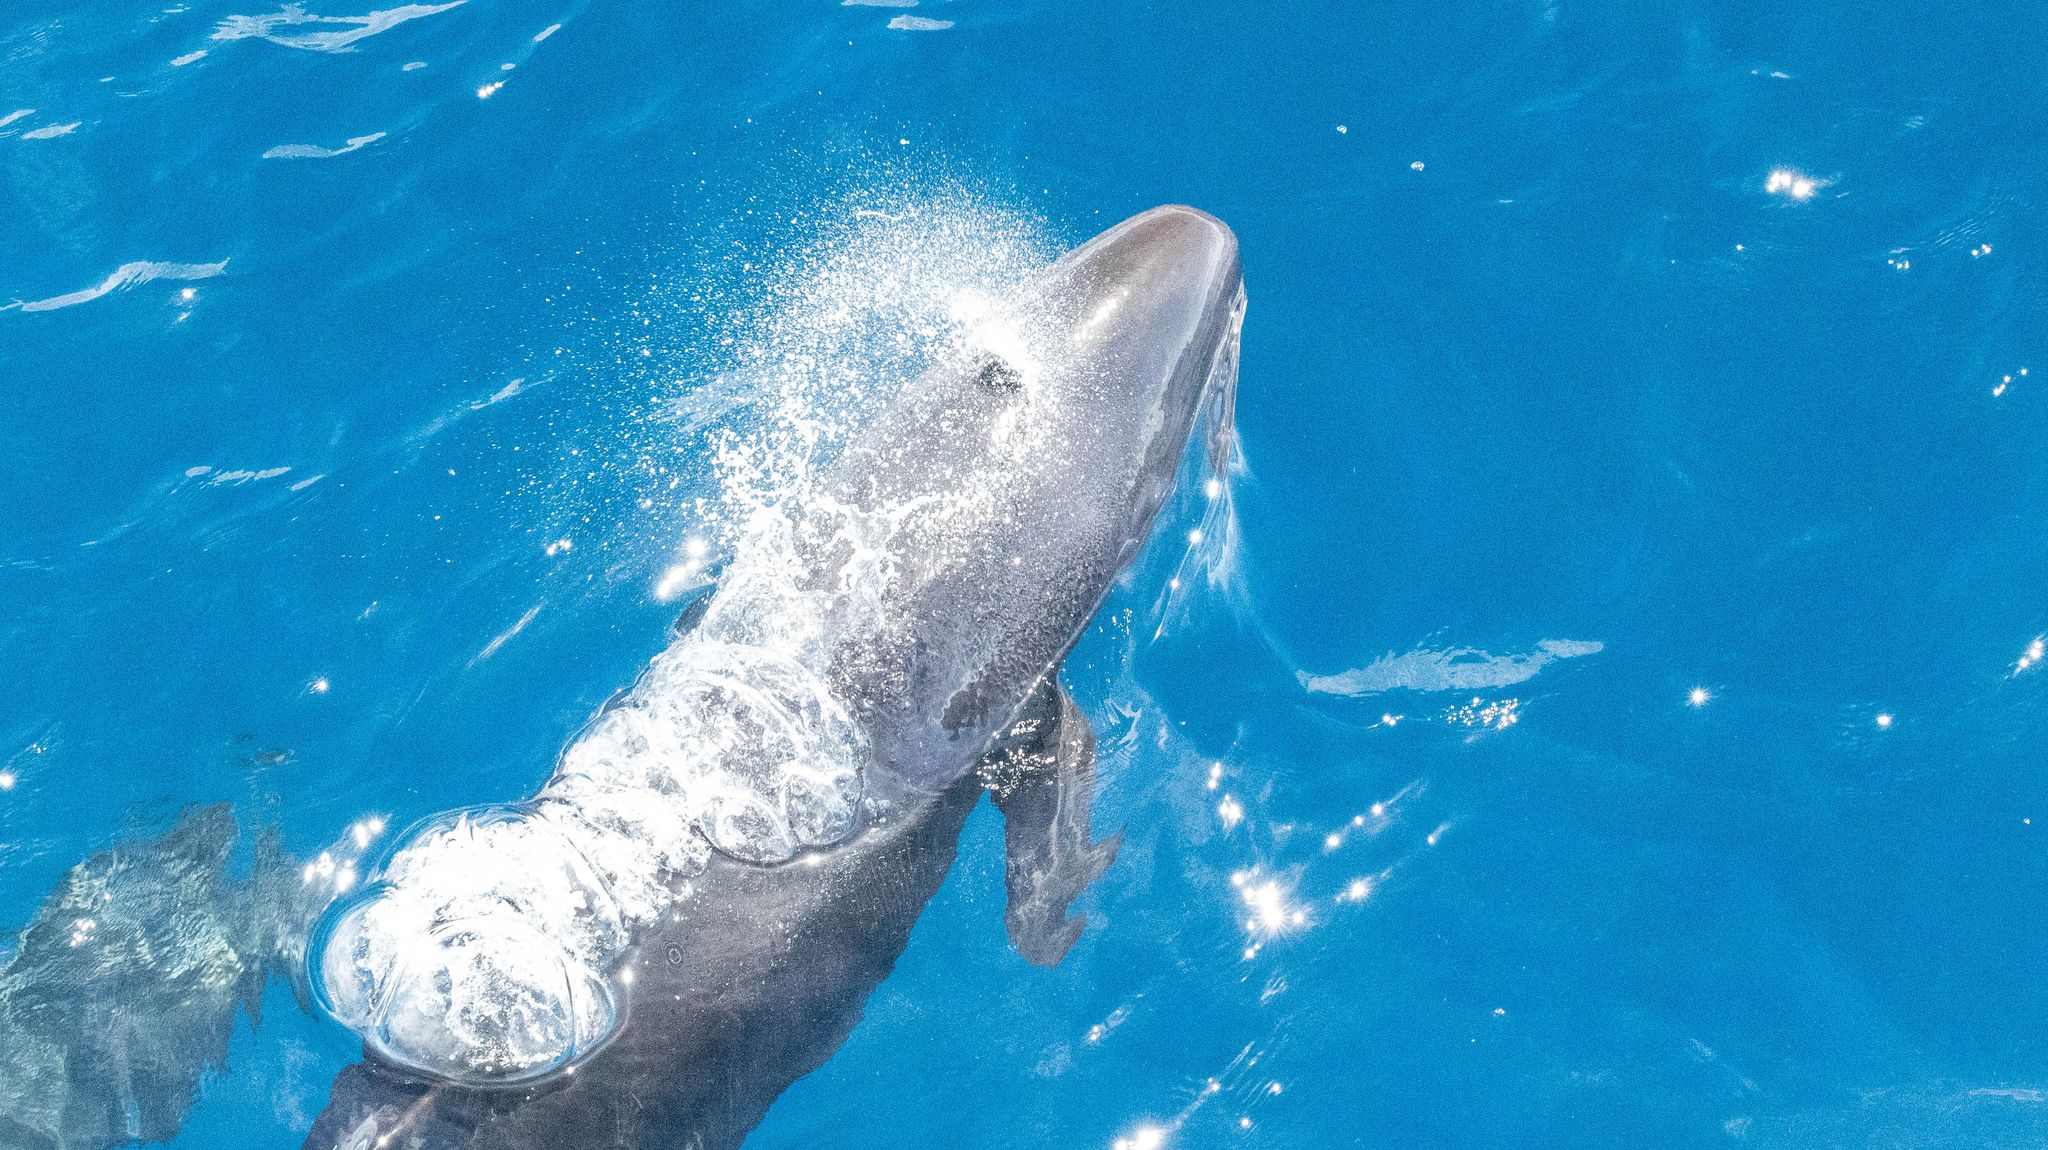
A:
[(693, 613), (1042, 776)]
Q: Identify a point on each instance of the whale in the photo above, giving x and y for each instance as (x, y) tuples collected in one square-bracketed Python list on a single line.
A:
[(693, 910), (1014, 483)]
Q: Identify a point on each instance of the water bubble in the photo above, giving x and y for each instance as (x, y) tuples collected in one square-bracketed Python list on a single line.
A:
[(491, 999), (741, 824), (818, 805)]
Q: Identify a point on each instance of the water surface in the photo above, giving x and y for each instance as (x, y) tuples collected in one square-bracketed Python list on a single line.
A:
[(1622, 664)]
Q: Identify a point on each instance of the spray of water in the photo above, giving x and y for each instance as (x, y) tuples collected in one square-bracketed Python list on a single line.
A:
[(483, 953)]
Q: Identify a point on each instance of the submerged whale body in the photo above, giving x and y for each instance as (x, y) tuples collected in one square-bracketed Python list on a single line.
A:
[(121, 995)]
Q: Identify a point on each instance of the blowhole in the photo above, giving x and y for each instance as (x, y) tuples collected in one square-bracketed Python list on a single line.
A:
[(996, 374)]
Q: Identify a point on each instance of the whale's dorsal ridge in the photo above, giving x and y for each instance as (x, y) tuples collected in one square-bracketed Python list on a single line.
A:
[(1041, 773)]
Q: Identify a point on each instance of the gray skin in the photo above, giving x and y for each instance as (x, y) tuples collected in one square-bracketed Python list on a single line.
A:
[(759, 973)]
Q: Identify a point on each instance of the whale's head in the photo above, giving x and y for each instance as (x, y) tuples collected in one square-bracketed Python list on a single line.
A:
[(1135, 326), (1018, 477), (1135, 300), (1115, 349)]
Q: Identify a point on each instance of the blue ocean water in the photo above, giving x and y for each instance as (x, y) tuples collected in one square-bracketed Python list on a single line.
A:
[(1624, 662)]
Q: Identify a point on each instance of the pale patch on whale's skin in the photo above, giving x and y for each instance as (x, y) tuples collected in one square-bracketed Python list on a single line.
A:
[(1451, 669)]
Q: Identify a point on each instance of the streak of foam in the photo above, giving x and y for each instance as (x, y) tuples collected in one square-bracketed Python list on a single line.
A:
[(1451, 669), (128, 275), (316, 152), (241, 476), (353, 28), (501, 395), (453, 415), (505, 636), (919, 24)]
